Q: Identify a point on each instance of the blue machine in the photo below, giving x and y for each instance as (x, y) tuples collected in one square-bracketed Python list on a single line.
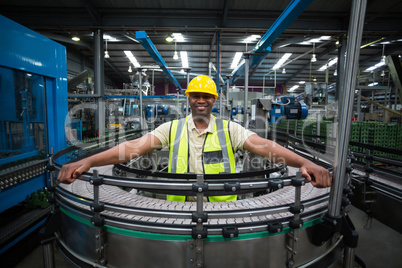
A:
[(237, 110), (156, 110), (215, 110), (287, 108), (33, 109)]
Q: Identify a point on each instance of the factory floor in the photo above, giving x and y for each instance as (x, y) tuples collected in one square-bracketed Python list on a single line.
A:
[(379, 246)]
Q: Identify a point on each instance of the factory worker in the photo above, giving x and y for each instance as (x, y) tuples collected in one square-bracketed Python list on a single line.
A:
[(199, 143)]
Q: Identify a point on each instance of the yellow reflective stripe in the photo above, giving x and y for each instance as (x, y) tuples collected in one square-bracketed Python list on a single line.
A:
[(178, 198), (222, 198), (178, 150), (229, 147)]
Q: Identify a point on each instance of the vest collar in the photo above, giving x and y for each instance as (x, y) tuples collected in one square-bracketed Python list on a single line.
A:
[(210, 128)]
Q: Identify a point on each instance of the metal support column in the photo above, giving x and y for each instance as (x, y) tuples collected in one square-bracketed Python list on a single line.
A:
[(99, 81), (220, 102), (97, 220), (349, 257), (153, 82), (351, 66), (340, 70), (199, 242), (188, 82), (140, 89), (246, 65), (218, 48), (358, 108), (227, 91)]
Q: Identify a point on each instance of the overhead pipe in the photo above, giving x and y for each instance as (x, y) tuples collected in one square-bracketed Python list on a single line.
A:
[(149, 46), (263, 46)]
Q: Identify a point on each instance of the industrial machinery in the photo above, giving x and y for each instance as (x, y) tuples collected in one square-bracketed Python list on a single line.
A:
[(100, 224), (266, 111), (33, 107), (106, 221)]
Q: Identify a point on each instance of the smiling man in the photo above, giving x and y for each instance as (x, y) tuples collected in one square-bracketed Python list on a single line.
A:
[(200, 144)]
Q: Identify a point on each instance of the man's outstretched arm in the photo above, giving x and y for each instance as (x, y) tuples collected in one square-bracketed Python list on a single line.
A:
[(119, 154), (277, 153)]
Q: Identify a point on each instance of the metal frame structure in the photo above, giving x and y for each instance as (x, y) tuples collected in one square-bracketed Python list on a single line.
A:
[(26, 52), (263, 46), (46, 58), (197, 233)]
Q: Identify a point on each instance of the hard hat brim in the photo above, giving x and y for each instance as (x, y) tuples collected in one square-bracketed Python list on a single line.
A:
[(200, 91)]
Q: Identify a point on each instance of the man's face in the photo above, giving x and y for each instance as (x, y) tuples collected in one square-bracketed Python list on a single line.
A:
[(201, 104)]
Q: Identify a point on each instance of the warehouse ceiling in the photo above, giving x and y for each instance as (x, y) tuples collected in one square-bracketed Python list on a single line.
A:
[(212, 26)]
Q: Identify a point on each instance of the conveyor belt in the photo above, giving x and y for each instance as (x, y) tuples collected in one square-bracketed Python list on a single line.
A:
[(115, 195), (103, 223)]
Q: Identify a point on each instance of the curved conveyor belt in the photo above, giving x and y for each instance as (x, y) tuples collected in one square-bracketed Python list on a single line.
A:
[(101, 224)]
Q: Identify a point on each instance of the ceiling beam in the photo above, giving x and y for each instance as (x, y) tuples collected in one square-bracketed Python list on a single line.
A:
[(93, 13), (225, 12), (211, 45)]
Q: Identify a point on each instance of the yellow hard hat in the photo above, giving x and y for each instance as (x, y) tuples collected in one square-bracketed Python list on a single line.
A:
[(203, 84)]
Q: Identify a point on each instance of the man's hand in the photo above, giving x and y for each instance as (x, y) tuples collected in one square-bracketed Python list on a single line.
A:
[(70, 172), (322, 178)]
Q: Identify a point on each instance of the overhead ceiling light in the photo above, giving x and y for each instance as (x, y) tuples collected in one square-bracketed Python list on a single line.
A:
[(132, 59), (106, 52), (252, 38), (236, 60), (282, 60), (335, 73), (314, 79), (383, 56), (326, 37), (283, 71), (375, 66), (129, 69), (169, 38), (175, 56), (184, 59), (178, 37), (313, 58), (302, 82), (373, 84), (75, 38), (329, 64), (294, 87), (109, 38), (314, 40)]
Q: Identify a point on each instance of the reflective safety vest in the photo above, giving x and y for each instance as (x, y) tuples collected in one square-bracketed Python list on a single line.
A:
[(217, 153)]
